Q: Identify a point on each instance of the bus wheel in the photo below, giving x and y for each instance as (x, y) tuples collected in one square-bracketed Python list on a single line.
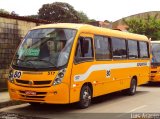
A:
[(132, 89), (85, 97)]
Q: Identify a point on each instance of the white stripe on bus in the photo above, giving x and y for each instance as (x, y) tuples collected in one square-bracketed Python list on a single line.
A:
[(100, 67)]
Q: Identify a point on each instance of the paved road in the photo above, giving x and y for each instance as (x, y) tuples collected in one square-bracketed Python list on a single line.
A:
[(146, 100)]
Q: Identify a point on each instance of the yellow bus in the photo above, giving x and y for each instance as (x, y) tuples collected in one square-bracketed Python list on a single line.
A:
[(66, 63), (155, 63)]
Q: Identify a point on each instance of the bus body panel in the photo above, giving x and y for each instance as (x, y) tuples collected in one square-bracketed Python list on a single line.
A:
[(96, 74), (55, 95), (58, 94), (106, 76)]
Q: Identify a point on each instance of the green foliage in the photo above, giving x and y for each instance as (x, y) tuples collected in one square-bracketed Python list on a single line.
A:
[(92, 20), (83, 17), (58, 12), (14, 14), (4, 11), (33, 16), (107, 21), (149, 26), (61, 12), (9, 13)]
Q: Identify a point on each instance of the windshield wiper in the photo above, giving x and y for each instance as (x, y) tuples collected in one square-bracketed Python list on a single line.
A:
[(43, 61), (27, 61)]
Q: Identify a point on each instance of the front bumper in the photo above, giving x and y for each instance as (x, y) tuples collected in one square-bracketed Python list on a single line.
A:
[(155, 77), (58, 94)]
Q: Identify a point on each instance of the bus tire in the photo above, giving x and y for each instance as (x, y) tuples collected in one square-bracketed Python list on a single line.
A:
[(132, 89), (85, 97)]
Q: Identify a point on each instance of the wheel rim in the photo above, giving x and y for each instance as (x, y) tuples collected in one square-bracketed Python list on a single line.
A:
[(86, 97)]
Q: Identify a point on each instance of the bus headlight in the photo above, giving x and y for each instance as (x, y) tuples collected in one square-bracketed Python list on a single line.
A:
[(10, 76), (59, 77)]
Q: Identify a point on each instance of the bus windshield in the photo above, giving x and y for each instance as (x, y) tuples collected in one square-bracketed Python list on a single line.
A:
[(155, 53), (45, 48)]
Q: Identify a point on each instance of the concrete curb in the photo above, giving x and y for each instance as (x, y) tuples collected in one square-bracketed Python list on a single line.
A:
[(10, 103)]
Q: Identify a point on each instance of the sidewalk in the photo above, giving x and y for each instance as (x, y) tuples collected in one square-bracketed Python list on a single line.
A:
[(4, 97), (5, 100)]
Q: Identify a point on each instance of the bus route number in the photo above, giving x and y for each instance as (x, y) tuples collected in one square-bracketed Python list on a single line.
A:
[(50, 73), (108, 73)]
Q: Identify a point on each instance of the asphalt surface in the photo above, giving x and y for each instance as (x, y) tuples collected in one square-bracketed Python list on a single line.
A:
[(115, 105)]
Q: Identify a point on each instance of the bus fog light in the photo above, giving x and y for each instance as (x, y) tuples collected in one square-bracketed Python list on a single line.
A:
[(55, 92)]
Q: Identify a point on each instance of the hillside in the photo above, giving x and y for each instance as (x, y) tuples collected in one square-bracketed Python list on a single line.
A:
[(140, 15)]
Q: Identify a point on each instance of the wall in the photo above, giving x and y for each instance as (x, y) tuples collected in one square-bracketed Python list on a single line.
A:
[(12, 30)]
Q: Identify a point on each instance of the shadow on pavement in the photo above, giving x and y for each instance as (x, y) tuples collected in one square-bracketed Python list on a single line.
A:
[(152, 84), (114, 96)]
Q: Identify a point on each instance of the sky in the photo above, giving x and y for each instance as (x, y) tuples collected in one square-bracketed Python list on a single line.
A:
[(99, 10)]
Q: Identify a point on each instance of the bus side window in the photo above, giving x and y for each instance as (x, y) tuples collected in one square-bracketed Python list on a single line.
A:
[(119, 48), (84, 50), (144, 49), (132, 49), (102, 48)]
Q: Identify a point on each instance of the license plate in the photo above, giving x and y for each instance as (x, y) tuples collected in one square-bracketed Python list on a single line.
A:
[(30, 92)]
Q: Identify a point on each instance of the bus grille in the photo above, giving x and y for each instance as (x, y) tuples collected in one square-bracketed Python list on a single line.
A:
[(35, 83), (22, 81), (153, 71)]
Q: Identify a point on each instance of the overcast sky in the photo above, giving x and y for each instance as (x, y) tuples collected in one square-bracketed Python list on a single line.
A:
[(95, 9)]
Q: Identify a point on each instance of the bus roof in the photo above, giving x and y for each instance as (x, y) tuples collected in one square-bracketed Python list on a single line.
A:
[(62, 25), (95, 30), (155, 41)]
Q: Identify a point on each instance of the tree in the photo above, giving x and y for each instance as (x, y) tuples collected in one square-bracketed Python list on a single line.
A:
[(149, 26), (14, 13), (107, 21), (92, 20), (33, 16), (4, 11), (83, 17), (58, 12)]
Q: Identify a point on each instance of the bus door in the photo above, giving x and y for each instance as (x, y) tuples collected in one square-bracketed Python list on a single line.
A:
[(83, 60)]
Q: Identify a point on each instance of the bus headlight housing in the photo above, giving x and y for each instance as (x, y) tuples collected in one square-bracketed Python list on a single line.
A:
[(59, 77), (10, 76)]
